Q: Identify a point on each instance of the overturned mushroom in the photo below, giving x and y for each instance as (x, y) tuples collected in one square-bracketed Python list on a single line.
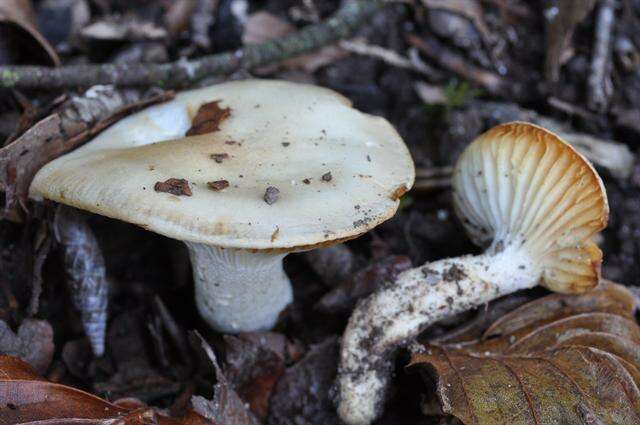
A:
[(144, 170), (534, 201)]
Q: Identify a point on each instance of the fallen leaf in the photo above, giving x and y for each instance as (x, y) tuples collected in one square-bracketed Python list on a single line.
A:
[(26, 397), (342, 298), (470, 9), (20, 40), (562, 21), (302, 395), (559, 359), (208, 119), (253, 368), (264, 26), (226, 407), (33, 343)]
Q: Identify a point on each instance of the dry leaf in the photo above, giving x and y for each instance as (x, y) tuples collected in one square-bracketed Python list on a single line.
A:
[(226, 407), (562, 21), (33, 343), (26, 397), (470, 9), (263, 26), (208, 120), (560, 359), (20, 40)]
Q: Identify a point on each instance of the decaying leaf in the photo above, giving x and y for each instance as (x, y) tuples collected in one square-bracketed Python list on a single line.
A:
[(25, 398), (226, 407), (264, 26), (20, 40), (562, 20), (470, 9), (254, 368), (559, 359), (302, 395), (208, 119), (33, 343), (74, 123)]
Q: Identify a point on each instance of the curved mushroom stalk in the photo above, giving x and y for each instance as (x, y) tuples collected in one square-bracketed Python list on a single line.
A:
[(536, 200), (238, 290)]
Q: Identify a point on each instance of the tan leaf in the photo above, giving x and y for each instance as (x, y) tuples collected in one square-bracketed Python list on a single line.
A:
[(560, 359), (25, 398), (208, 118), (21, 38), (264, 26)]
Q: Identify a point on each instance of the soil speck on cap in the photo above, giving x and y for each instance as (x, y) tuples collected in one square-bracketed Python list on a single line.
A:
[(274, 235), (218, 185), (368, 158), (230, 142), (326, 177), (178, 187), (285, 144), (271, 195), (306, 181), (453, 274), (219, 157), (208, 118)]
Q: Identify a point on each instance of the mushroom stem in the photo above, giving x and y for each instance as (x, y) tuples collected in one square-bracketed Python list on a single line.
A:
[(238, 290), (397, 313)]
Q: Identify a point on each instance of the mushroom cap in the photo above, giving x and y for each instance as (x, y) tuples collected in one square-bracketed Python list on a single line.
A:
[(519, 185), (278, 134)]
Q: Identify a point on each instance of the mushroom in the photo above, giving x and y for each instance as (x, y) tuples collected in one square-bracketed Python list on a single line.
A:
[(527, 195), (244, 188)]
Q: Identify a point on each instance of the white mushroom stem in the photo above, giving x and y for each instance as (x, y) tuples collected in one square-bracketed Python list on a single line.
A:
[(397, 313), (238, 290)]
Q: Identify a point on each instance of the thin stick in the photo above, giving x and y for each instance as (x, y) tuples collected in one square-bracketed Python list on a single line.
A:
[(599, 82), (183, 73)]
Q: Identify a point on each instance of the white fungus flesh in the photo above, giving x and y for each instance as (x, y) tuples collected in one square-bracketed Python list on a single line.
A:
[(277, 135), (534, 201)]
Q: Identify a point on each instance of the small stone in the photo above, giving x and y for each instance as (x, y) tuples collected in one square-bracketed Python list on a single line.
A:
[(271, 195)]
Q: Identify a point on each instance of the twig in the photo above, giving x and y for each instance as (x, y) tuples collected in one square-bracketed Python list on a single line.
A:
[(390, 57), (182, 73), (599, 82), (454, 62), (433, 178)]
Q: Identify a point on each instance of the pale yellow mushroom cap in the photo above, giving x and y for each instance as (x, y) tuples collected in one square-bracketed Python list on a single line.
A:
[(519, 184), (278, 134)]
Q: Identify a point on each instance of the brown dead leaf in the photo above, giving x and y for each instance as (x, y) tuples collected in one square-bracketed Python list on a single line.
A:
[(559, 359), (226, 407), (264, 26), (562, 21), (253, 369), (26, 397), (208, 118), (20, 41), (33, 343), (470, 9)]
